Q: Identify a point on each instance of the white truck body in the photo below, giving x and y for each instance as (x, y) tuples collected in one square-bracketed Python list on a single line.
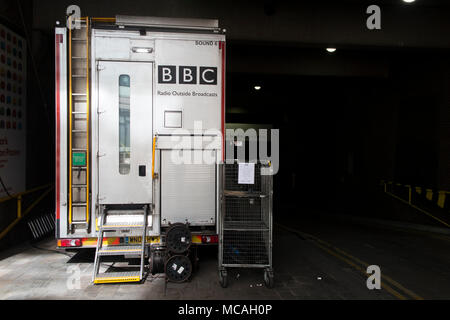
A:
[(166, 82)]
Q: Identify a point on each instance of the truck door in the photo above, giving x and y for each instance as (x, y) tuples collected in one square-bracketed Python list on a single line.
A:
[(125, 132)]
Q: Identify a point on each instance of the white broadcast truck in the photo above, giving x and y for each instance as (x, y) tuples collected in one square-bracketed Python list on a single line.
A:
[(139, 139)]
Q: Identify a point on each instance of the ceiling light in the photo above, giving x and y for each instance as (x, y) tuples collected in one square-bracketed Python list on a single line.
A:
[(409, 1), (257, 87), (331, 49)]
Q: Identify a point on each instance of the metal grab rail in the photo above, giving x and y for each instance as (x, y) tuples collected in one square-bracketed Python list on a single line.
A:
[(153, 157), (21, 214), (428, 195)]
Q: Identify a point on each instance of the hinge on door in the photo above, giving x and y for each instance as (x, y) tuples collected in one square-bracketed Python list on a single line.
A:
[(100, 67)]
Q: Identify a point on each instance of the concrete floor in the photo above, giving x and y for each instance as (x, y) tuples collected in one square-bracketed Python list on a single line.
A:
[(416, 265)]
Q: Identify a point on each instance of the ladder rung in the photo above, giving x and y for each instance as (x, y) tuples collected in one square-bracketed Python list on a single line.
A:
[(79, 112), (78, 222), (78, 149), (79, 185), (120, 250), (79, 204), (80, 167), (78, 94)]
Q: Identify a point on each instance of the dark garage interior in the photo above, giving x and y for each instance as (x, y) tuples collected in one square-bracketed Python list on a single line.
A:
[(364, 143)]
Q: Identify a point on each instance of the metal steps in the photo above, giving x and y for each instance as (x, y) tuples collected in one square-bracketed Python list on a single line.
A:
[(115, 220), (42, 225)]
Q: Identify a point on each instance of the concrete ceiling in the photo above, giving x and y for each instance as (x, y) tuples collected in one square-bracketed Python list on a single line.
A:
[(423, 24)]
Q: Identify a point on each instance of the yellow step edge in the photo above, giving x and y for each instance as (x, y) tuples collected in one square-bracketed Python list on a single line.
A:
[(117, 279), (118, 250), (124, 226)]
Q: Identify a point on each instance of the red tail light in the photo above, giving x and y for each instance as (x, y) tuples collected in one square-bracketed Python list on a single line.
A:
[(70, 243), (210, 239)]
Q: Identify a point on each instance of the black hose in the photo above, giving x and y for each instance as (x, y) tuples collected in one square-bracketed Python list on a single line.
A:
[(4, 188)]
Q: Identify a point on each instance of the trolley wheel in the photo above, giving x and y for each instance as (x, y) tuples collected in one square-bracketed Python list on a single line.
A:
[(268, 278), (223, 278)]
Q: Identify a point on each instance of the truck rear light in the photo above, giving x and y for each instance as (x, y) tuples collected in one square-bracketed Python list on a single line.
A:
[(70, 243), (210, 239)]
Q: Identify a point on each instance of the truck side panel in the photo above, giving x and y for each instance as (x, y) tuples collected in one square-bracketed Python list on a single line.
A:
[(61, 131)]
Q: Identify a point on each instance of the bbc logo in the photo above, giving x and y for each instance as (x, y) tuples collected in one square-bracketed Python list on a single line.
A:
[(187, 75)]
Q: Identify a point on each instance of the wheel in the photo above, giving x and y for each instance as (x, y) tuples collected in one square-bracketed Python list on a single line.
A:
[(223, 278), (178, 268), (178, 238), (268, 278), (156, 262)]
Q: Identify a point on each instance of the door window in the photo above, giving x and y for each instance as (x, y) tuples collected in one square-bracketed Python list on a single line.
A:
[(124, 124)]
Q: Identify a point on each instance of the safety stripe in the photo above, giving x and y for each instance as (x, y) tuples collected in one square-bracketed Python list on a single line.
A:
[(441, 199), (117, 279), (196, 239), (429, 194), (438, 197)]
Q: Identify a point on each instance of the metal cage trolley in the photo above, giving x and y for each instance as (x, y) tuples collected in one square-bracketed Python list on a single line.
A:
[(245, 222)]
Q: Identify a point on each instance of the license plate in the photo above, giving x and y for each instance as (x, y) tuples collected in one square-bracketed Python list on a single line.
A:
[(138, 240)]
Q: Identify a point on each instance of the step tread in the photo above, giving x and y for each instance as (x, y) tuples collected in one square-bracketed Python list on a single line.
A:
[(122, 225), (118, 250), (124, 276)]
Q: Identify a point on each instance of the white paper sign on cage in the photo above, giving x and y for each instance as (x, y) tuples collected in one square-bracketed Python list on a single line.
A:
[(246, 174)]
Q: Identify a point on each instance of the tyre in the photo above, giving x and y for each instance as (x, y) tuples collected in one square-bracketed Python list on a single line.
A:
[(268, 279), (223, 278), (178, 268), (178, 238)]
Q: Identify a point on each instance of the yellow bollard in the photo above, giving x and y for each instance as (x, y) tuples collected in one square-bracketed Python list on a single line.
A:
[(409, 194), (429, 194), (441, 199), (19, 207)]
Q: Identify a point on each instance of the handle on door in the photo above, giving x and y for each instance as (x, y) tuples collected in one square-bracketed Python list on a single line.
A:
[(142, 170)]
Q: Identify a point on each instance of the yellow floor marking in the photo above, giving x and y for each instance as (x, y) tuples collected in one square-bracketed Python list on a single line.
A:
[(383, 285), (419, 209), (388, 279), (365, 264)]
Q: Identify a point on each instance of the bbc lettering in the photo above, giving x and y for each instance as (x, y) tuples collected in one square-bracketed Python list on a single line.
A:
[(187, 75)]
